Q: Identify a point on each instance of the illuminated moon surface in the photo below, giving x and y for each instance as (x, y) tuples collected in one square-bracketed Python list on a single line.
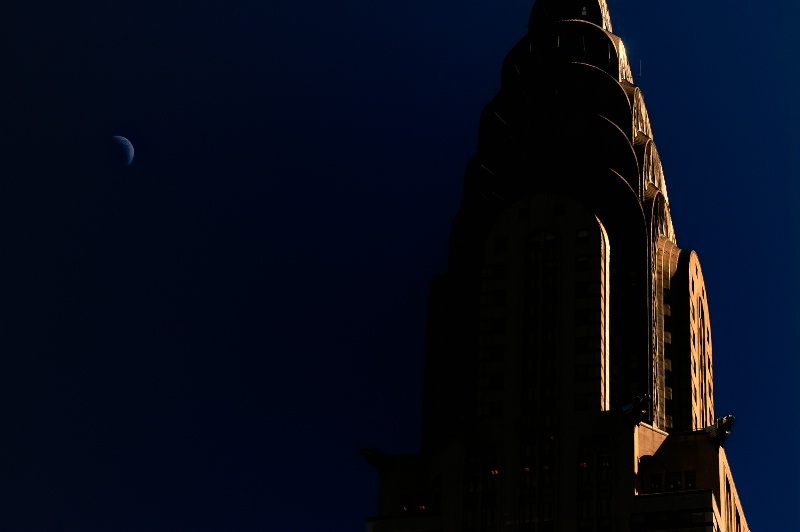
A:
[(126, 145)]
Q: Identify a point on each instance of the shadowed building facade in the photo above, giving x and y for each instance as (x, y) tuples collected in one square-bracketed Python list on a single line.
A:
[(568, 375)]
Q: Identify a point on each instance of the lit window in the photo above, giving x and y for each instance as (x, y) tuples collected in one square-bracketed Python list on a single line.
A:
[(655, 483), (690, 479), (673, 481)]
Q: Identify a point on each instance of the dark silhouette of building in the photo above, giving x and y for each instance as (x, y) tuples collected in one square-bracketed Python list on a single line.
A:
[(568, 376)]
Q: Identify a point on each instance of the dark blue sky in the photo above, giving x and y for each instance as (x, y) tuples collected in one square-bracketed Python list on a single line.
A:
[(203, 340)]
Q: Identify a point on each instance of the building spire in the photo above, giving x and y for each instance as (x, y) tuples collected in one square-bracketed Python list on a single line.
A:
[(594, 11)]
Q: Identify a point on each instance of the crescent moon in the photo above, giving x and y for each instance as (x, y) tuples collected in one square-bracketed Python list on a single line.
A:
[(127, 146)]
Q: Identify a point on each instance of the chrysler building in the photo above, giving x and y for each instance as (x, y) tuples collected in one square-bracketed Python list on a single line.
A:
[(568, 365)]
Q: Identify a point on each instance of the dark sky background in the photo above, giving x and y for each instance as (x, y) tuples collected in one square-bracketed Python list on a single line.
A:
[(204, 340)]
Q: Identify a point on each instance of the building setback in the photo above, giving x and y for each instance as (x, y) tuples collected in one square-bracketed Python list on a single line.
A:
[(568, 375)]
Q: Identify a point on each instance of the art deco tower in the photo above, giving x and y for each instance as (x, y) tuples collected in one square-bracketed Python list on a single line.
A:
[(568, 375)]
